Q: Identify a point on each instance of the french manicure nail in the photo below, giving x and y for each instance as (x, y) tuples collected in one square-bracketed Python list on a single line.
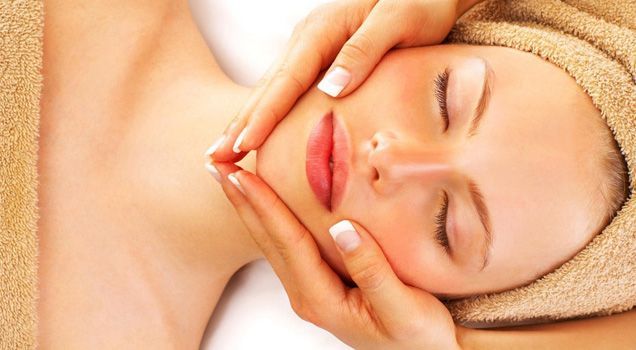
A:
[(335, 81), (215, 145), (238, 141), (236, 182), (345, 235), (213, 170)]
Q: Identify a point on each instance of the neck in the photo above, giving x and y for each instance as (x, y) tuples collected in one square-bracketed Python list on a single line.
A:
[(156, 100), (184, 102)]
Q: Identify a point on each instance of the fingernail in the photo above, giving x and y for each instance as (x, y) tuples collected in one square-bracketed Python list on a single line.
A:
[(345, 235), (215, 145), (335, 81), (236, 182), (212, 170), (238, 141)]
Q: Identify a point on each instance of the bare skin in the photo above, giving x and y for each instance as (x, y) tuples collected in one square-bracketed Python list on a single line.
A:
[(134, 247), (136, 240)]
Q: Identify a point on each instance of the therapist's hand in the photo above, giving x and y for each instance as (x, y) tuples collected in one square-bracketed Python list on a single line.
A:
[(381, 313), (351, 37)]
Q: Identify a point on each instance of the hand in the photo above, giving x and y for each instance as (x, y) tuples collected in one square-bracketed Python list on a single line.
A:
[(380, 313), (357, 34)]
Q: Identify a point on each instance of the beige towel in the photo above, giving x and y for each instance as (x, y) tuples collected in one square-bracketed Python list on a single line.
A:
[(21, 30), (595, 42)]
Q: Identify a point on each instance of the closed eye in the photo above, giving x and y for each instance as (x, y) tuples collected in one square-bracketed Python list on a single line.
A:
[(441, 236), (441, 91)]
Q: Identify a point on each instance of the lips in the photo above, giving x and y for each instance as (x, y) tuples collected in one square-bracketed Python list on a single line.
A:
[(326, 163)]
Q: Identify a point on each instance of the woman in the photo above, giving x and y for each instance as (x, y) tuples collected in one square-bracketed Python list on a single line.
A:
[(406, 165), (122, 130)]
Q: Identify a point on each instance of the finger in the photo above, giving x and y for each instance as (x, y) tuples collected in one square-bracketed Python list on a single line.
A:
[(220, 171), (225, 149), (312, 50), (381, 31), (221, 149), (391, 300), (310, 275), (307, 52), (292, 78), (244, 209)]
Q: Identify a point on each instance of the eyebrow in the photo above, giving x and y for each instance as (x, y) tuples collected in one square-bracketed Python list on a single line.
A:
[(484, 217), (484, 99), (475, 192)]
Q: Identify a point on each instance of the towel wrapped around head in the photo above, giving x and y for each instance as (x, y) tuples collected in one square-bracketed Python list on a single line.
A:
[(595, 42)]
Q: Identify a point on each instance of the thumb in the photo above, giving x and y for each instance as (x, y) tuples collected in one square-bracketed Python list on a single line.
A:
[(391, 300), (361, 53)]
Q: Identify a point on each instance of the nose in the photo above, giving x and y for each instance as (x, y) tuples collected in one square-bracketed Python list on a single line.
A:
[(398, 161)]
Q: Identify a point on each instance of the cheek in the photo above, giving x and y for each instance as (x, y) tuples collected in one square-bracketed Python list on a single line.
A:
[(392, 95), (401, 232), (424, 265)]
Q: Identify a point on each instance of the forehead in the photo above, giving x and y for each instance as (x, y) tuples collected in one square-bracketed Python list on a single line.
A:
[(534, 158)]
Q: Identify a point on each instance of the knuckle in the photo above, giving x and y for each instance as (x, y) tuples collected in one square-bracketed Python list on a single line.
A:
[(262, 244), (290, 77), (282, 248), (304, 310), (370, 277), (285, 245), (298, 307), (359, 49)]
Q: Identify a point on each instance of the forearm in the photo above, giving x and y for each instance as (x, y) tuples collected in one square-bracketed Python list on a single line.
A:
[(609, 332), (465, 5)]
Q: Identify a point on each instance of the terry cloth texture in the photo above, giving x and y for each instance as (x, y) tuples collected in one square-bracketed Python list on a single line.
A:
[(595, 42), (21, 30)]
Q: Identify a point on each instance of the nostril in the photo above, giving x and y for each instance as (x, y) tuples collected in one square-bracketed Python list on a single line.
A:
[(382, 139), (380, 157), (374, 143)]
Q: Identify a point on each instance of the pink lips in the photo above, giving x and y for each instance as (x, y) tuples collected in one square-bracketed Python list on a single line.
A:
[(327, 140)]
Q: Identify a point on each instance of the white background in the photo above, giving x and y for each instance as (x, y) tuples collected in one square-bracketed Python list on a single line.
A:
[(254, 313)]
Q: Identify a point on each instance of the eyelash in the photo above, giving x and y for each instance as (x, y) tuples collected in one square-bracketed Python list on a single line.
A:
[(441, 236), (441, 84)]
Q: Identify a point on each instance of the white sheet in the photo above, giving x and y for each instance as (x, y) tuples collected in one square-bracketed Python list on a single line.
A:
[(254, 312)]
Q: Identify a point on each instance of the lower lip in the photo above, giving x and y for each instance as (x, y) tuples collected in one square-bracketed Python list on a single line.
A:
[(327, 139), (319, 148)]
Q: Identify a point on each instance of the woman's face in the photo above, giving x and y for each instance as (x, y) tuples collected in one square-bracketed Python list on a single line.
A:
[(514, 164)]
